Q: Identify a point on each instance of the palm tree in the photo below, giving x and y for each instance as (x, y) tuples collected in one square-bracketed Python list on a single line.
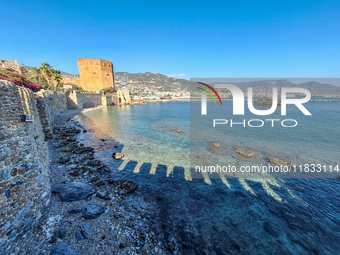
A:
[(23, 69), (46, 69), (39, 78), (37, 74), (56, 77)]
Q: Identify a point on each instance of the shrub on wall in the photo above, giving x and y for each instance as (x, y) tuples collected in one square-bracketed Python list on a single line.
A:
[(109, 90), (19, 80)]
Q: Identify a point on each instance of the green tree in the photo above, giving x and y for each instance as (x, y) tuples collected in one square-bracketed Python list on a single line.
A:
[(56, 77), (39, 77), (23, 69), (47, 70)]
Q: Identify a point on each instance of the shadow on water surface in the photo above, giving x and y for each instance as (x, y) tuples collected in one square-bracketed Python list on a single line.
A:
[(237, 215)]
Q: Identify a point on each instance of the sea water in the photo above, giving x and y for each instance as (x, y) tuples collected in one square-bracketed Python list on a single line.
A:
[(226, 216), (148, 132)]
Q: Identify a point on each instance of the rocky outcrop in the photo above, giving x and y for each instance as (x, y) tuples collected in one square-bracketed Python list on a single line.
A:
[(94, 211), (73, 191), (216, 145), (279, 162), (62, 249), (245, 153), (117, 155), (124, 186)]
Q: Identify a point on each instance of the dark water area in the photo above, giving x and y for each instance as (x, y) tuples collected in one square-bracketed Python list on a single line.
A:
[(196, 218)]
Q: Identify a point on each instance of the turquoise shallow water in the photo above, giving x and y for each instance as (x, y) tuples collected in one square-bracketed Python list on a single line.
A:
[(148, 133), (315, 140), (225, 216)]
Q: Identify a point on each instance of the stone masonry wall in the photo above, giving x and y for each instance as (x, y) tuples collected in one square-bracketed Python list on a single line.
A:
[(75, 79), (24, 163), (91, 100), (24, 155), (74, 100), (50, 103), (122, 97), (80, 100), (95, 74)]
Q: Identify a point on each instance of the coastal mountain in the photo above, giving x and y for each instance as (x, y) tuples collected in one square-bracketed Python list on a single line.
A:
[(261, 86), (156, 82), (321, 89), (151, 83)]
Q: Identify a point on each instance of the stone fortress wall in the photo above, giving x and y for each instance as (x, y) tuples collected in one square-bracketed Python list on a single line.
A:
[(95, 74), (49, 103), (24, 163), (10, 64), (24, 158), (79, 100), (74, 79), (122, 97)]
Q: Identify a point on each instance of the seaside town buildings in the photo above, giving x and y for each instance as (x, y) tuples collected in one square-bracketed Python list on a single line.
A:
[(69, 85)]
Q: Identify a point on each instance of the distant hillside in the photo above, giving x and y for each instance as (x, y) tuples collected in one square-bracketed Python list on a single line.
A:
[(160, 82), (260, 87), (150, 81), (321, 89)]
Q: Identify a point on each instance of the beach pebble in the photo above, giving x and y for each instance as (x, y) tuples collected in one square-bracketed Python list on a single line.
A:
[(94, 211)]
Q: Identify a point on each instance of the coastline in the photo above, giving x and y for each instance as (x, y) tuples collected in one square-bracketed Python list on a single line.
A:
[(62, 117), (94, 223), (146, 213)]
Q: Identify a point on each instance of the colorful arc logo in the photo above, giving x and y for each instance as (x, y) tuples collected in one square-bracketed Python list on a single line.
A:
[(209, 93)]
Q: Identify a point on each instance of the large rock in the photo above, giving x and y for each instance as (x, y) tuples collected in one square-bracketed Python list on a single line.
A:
[(117, 155), (245, 153), (124, 186), (279, 162), (104, 195), (97, 181), (63, 160), (76, 210), (62, 249), (94, 211), (78, 170), (84, 230), (95, 163), (73, 191), (216, 145)]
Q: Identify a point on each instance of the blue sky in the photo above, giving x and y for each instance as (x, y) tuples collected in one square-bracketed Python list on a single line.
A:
[(182, 38)]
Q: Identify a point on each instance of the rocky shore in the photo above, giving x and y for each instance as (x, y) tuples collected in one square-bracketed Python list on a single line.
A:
[(91, 211)]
